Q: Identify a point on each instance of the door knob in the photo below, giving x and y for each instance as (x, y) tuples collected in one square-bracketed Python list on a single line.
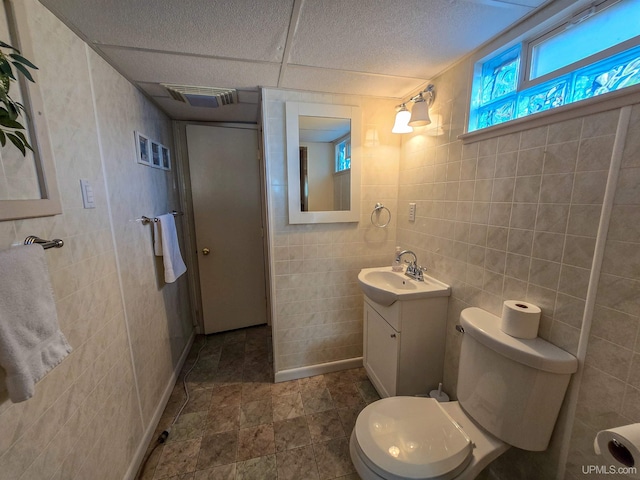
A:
[(206, 251)]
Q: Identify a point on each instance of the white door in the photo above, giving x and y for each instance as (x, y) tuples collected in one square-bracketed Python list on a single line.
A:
[(227, 205)]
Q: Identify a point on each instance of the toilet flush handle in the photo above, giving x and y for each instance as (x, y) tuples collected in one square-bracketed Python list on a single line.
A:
[(459, 328)]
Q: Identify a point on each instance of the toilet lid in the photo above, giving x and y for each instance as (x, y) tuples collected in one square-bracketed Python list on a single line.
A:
[(412, 437)]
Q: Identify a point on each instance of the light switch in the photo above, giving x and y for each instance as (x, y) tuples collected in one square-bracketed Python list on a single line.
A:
[(412, 212), (88, 199)]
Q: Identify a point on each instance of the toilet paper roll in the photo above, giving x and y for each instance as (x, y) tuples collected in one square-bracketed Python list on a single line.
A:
[(620, 447), (520, 319)]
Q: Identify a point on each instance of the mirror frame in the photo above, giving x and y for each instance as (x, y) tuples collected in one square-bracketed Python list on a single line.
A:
[(49, 203), (293, 111)]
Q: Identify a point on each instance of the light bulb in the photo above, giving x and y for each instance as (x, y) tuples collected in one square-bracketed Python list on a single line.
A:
[(402, 120), (420, 114)]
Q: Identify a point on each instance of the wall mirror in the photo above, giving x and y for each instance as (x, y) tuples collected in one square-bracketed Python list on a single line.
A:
[(28, 185), (323, 162)]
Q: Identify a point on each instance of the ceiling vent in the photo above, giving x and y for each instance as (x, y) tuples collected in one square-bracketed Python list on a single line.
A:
[(209, 97)]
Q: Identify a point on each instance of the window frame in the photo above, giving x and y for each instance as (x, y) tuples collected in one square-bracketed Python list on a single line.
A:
[(49, 203), (583, 14), (346, 139)]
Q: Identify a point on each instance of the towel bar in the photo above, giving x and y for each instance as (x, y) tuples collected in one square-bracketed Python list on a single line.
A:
[(145, 220), (55, 243)]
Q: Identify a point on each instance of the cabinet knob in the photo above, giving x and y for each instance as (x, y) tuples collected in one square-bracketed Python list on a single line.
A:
[(205, 251), (393, 335)]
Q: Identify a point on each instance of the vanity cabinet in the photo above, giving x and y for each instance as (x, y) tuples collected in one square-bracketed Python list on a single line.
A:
[(404, 345)]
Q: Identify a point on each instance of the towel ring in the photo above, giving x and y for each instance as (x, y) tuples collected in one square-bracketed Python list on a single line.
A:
[(376, 210)]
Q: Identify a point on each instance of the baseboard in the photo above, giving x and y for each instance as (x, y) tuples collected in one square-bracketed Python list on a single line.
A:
[(146, 438), (310, 371)]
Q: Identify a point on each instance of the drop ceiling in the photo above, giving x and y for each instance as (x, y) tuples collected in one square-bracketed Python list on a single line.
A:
[(381, 48)]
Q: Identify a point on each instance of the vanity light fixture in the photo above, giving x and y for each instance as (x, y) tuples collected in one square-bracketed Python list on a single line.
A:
[(402, 120), (419, 115)]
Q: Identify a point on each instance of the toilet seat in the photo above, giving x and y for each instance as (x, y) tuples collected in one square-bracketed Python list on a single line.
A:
[(411, 438)]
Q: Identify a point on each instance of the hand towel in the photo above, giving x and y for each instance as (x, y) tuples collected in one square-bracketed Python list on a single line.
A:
[(31, 343), (166, 245)]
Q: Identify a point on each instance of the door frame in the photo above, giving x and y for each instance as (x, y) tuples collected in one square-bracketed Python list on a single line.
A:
[(184, 189)]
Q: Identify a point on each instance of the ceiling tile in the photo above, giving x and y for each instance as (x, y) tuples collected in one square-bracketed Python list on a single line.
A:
[(246, 29), (343, 82), (508, 3), (412, 38), (378, 48), (153, 89), (143, 66)]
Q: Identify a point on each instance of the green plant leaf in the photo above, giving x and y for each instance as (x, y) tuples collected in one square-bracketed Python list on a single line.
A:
[(22, 69), (6, 45), (21, 59), (17, 142), (12, 110), (9, 123), (19, 107), (5, 69), (9, 104), (22, 137)]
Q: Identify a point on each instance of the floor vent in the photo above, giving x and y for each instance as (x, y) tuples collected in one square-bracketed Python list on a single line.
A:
[(209, 97)]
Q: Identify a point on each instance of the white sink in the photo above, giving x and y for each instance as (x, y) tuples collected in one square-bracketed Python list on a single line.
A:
[(384, 286)]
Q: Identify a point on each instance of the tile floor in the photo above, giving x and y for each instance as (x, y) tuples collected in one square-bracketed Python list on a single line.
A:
[(239, 425)]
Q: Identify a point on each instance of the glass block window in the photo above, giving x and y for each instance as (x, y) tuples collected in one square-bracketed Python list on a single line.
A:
[(500, 75), (543, 97), (497, 113), (571, 67), (343, 155)]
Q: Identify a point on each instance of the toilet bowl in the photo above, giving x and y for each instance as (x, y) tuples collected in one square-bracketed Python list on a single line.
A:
[(509, 394), (418, 438)]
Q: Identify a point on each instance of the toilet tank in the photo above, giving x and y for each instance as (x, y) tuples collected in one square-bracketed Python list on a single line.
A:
[(512, 387)]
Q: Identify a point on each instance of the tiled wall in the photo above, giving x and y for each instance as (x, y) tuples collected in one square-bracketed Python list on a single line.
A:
[(610, 390), (88, 415), (159, 317), (516, 217), (317, 302)]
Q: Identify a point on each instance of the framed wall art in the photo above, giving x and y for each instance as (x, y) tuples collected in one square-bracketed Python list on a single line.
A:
[(152, 153), (142, 149), (155, 155), (166, 158)]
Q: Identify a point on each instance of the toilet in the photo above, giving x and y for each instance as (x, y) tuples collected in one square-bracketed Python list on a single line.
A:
[(509, 394)]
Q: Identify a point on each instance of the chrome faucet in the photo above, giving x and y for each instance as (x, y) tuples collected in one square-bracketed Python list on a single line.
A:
[(414, 270)]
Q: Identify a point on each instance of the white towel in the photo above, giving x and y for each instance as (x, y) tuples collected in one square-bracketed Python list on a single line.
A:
[(31, 343), (166, 246)]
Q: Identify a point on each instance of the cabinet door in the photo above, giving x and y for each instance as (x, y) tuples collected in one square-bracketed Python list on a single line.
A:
[(381, 357)]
